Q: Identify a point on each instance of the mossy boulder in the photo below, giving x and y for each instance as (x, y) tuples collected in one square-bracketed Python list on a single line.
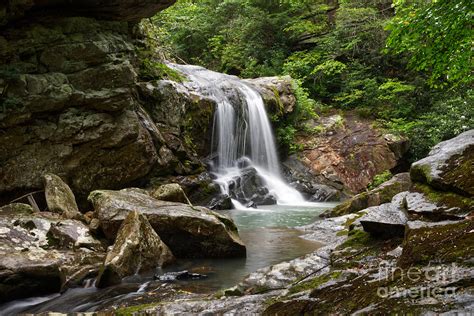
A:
[(425, 202), (449, 165), (382, 194), (188, 231), (137, 249), (445, 242)]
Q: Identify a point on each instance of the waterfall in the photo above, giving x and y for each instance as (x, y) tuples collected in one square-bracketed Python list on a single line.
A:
[(242, 141)]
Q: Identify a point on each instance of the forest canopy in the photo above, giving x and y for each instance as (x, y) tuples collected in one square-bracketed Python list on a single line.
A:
[(406, 64)]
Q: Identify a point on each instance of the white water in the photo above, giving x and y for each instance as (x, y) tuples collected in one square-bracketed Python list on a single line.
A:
[(241, 130)]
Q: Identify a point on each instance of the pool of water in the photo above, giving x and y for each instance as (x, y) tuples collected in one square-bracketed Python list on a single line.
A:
[(268, 233)]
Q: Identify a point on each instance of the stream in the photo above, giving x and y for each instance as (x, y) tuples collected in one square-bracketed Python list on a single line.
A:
[(270, 236)]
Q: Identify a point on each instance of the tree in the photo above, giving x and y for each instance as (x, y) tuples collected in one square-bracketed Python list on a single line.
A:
[(436, 35)]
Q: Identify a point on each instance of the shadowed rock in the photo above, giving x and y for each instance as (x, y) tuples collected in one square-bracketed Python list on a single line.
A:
[(137, 249)]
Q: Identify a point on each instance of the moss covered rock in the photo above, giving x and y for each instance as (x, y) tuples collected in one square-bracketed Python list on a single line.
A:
[(449, 165), (382, 194), (437, 242)]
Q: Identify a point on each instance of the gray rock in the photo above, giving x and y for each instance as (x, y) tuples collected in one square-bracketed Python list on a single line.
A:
[(137, 249), (72, 234), (60, 198), (33, 264), (449, 165), (324, 193), (438, 206), (188, 231), (386, 220), (220, 202)]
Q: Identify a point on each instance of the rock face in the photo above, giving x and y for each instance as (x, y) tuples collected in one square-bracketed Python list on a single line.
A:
[(71, 106), (170, 192), (60, 198), (40, 253), (345, 152), (192, 232), (137, 249), (449, 165), (109, 9), (381, 194)]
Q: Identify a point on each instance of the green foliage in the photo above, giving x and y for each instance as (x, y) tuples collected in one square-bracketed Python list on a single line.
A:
[(437, 35), (384, 58), (154, 70), (379, 179)]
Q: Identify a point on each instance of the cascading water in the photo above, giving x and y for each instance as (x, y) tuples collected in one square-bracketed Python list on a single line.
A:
[(242, 136)]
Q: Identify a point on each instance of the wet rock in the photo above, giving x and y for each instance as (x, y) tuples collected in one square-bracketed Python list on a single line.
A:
[(381, 194), (170, 192), (32, 263), (448, 241), (449, 165), (277, 93), (180, 276), (324, 193), (60, 198), (386, 220), (251, 204), (188, 231), (137, 248), (221, 202), (267, 199)]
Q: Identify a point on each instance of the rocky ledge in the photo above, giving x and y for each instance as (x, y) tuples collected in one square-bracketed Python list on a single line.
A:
[(129, 232)]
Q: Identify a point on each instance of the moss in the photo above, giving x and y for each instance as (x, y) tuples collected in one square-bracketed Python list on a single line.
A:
[(309, 285), (133, 310)]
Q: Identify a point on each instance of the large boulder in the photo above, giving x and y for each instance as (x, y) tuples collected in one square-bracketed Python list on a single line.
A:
[(449, 165), (447, 241), (386, 220), (137, 249), (381, 194), (38, 256), (60, 198), (188, 231)]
